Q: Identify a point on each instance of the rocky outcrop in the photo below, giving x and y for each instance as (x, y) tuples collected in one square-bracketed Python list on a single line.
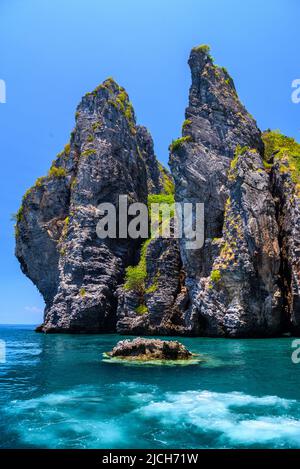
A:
[(216, 125), (150, 349), (242, 295), (282, 156), (243, 282), (154, 305), (159, 179), (289, 222), (57, 244), (40, 222)]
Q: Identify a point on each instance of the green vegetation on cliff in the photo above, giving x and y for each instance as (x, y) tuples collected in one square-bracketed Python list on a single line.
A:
[(142, 309), (203, 48), (167, 198), (239, 151), (168, 183), (90, 151), (215, 276), (176, 144), (285, 150), (135, 276), (56, 172), (186, 123), (120, 100)]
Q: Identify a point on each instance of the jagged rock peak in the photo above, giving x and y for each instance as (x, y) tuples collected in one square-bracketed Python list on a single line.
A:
[(243, 282), (215, 116), (216, 123), (56, 241), (114, 95)]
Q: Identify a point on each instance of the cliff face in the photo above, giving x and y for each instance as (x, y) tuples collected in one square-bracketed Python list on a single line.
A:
[(57, 245), (288, 206), (283, 163), (244, 281), (241, 297), (153, 306), (216, 128)]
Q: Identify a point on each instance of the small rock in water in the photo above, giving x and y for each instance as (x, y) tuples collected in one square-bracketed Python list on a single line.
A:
[(150, 349)]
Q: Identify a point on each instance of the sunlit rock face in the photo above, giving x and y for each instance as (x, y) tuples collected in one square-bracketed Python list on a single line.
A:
[(57, 244), (242, 295), (217, 126), (150, 349), (283, 156), (245, 279)]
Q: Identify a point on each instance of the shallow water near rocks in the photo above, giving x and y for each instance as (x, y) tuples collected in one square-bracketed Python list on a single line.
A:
[(136, 361), (56, 391)]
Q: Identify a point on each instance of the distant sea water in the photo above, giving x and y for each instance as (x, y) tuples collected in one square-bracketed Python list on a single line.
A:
[(56, 392)]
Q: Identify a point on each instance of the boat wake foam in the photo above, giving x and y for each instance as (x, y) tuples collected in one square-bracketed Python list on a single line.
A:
[(132, 415)]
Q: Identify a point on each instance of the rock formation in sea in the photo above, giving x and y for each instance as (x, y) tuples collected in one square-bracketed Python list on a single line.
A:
[(57, 245), (233, 280), (282, 162), (243, 282), (150, 349)]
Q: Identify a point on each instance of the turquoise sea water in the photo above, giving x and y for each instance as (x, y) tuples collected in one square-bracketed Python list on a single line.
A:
[(56, 392)]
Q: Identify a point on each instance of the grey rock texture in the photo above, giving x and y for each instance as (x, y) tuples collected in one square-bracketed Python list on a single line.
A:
[(156, 306), (39, 227), (243, 282), (242, 296), (216, 124), (150, 349), (283, 153), (158, 178), (57, 245), (289, 222)]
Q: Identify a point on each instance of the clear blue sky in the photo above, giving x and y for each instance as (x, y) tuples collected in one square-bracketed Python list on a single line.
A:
[(54, 51)]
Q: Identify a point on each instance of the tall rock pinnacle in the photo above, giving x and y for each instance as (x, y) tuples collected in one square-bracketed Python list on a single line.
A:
[(216, 126), (243, 282), (57, 245)]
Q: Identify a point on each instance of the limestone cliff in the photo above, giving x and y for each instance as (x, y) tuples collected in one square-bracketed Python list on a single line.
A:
[(282, 160), (153, 297), (243, 282), (57, 245), (241, 297), (232, 281)]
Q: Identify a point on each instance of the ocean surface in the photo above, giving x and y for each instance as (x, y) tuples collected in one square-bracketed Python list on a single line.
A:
[(57, 392)]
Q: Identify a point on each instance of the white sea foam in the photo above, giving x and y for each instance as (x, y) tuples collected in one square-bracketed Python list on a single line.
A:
[(132, 415), (74, 418), (235, 418)]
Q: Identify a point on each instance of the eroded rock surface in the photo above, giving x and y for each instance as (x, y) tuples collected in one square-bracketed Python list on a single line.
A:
[(243, 282), (283, 156), (150, 349), (242, 295), (155, 307), (234, 281), (57, 244)]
